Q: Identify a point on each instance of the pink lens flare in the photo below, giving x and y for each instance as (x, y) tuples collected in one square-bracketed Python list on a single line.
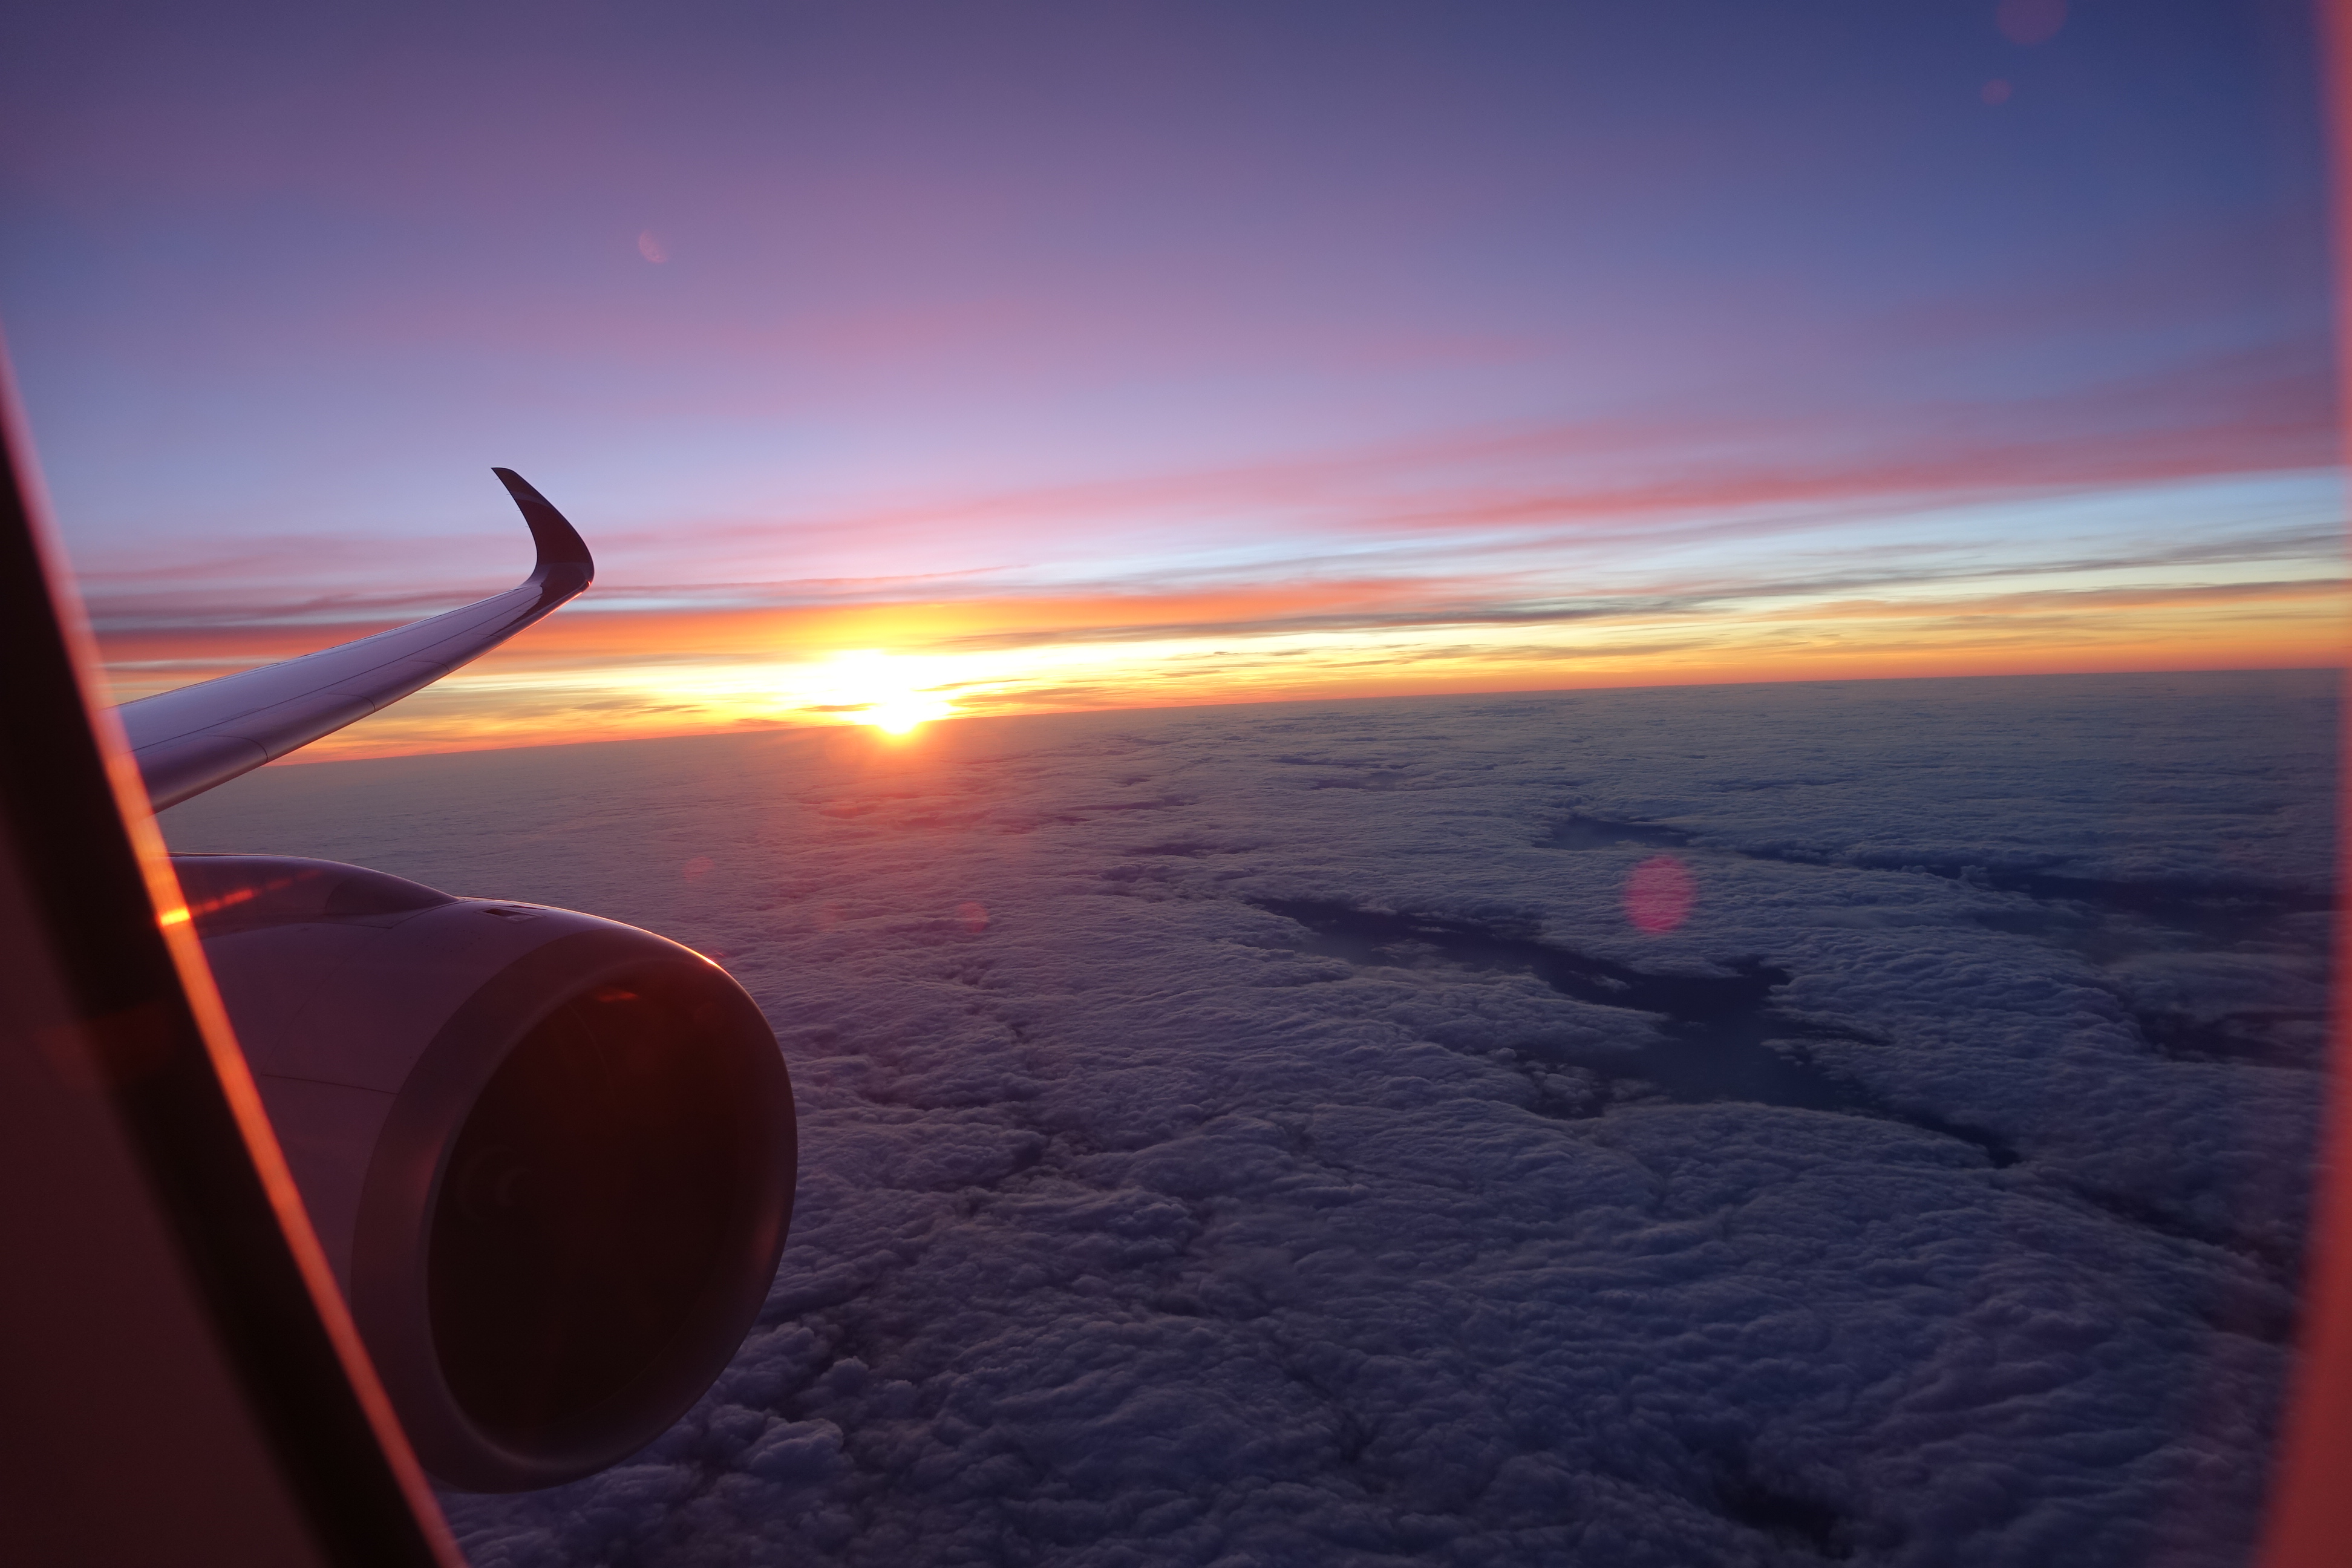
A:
[(974, 916), (2030, 21), (1659, 894), (698, 868)]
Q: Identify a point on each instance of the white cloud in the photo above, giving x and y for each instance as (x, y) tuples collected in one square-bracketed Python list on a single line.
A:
[(1145, 1225)]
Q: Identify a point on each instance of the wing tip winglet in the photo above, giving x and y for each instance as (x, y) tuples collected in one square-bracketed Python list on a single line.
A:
[(559, 543)]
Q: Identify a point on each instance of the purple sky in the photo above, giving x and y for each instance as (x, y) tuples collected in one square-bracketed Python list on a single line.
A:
[(798, 306)]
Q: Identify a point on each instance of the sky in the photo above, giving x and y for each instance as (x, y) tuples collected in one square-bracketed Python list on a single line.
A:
[(917, 359)]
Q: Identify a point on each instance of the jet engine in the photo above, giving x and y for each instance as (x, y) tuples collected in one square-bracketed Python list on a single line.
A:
[(550, 1157)]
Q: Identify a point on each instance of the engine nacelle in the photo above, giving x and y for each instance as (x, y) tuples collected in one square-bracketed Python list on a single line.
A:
[(550, 1157)]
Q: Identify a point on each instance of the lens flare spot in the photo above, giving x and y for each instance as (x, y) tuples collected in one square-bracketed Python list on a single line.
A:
[(697, 868), (1659, 894), (1996, 92), (2030, 21), (974, 916)]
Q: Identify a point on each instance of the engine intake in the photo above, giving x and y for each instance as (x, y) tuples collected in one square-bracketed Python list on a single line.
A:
[(550, 1157)]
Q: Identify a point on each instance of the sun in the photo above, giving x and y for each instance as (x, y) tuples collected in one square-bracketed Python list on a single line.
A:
[(898, 715), (884, 693)]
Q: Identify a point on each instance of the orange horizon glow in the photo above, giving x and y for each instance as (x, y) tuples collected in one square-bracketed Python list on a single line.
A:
[(1630, 610), (646, 674), (355, 745)]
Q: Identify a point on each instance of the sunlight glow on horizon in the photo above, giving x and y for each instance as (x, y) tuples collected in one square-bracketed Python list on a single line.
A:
[(883, 690), (2220, 572), (761, 676), (900, 718)]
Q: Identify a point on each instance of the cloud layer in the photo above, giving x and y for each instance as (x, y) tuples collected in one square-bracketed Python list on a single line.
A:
[(1290, 1134)]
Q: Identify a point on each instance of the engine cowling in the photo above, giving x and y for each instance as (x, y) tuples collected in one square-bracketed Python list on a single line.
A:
[(550, 1157)]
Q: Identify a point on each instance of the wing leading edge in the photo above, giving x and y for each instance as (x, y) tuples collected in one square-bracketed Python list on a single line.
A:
[(189, 740)]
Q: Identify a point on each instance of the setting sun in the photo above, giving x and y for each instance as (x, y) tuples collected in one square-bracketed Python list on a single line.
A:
[(901, 714), (877, 689)]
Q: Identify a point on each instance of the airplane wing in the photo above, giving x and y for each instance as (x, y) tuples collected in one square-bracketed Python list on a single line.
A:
[(189, 740), (220, 1206)]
